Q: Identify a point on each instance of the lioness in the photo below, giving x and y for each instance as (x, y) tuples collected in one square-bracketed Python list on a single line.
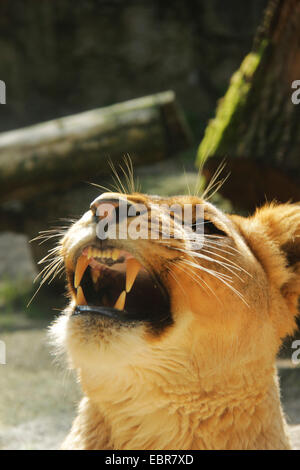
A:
[(174, 342)]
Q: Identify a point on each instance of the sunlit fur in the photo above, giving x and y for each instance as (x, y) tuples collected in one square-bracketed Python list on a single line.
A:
[(209, 380)]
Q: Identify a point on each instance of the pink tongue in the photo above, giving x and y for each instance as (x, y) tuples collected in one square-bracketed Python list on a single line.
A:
[(94, 264)]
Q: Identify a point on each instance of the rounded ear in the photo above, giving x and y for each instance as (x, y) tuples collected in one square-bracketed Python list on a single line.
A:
[(273, 234), (291, 251)]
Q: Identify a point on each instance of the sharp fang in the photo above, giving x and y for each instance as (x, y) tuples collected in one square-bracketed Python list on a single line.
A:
[(81, 266), (132, 269), (120, 303), (80, 299), (90, 252)]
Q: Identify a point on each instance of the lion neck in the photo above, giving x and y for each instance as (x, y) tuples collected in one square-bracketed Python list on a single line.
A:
[(241, 411)]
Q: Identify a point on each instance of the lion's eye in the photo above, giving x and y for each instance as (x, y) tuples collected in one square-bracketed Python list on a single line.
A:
[(211, 229), (208, 227), (130, 210)]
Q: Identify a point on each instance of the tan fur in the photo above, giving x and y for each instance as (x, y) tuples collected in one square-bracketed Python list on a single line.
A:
[(208, 381)]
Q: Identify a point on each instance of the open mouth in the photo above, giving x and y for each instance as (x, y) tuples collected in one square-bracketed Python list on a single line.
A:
[(112, 283)]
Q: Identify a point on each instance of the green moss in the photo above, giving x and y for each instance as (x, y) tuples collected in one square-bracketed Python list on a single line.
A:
[(219, 129), (14, 294)]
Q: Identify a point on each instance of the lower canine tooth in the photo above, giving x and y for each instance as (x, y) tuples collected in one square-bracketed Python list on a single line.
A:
[(81, 266), (80, 297), (132, 269), (121, 301)]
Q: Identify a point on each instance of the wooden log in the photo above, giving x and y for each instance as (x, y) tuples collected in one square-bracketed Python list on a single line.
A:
[(55, 154)]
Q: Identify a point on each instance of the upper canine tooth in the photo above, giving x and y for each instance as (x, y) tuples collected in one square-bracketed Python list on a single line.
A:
[(82, 264), (90, 252), (121, 301), (132, 269), (80, 299)]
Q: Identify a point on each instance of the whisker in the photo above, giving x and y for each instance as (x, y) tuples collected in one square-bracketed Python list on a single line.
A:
[(197, 279), (213, 180), (186, 181), (221, 277), (202, 256), (227, 263), (117, 178), (100, 186), (218, 243), (129, 175), (54, 267), (176, 280)]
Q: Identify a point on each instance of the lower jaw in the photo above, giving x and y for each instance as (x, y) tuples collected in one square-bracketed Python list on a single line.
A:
[(109, 312), (155, 325)]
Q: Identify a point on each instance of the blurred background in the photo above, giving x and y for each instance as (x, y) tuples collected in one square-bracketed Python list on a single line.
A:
[(178, 87)]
